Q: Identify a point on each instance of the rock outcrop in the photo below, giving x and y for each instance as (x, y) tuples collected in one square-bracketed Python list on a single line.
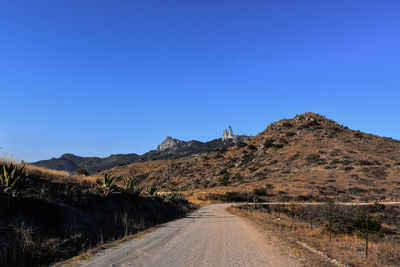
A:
[(169, 142), (229, 136)]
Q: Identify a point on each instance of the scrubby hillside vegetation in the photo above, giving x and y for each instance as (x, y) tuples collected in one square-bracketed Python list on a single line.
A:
[(308, 157), (48, 216)]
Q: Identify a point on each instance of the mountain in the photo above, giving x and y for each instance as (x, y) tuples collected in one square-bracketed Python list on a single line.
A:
[(303, 157), (170, 148)]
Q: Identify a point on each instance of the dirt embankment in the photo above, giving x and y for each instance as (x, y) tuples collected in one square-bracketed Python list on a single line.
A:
[(59, 216)]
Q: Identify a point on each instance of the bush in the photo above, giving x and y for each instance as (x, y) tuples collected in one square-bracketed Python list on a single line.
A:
[(269, 142), (82, 171), (312, 158), (241, 144), (358, 135), (259, 192), (252, 147), (224, 181), (234, 196)]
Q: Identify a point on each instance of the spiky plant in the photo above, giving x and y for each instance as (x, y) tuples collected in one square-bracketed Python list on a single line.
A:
[(171, 197), (107, 184), (128, 182), (150, 190), (131, 188), (12, 179)]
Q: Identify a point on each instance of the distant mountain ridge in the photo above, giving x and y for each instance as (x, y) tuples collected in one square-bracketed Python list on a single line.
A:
[(170, 148)]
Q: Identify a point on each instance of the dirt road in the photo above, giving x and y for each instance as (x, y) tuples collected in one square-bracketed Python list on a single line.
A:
[(209, 237)]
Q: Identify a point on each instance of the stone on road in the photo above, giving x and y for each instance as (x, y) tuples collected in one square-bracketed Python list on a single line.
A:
[(210, 236)]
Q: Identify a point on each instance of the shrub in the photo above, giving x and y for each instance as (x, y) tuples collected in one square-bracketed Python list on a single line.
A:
[(304, 197), (241, 144), (279, 145), (252, 147), (269, 142), (269, 186), (82, 171), (364, 162), (289, 134), (283, 141), (224, 181), (234, 196), (358, 135), (259, 192), (287, 125), (312, 158)]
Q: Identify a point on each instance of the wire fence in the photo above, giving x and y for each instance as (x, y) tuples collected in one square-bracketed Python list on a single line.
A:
[(375, 220)]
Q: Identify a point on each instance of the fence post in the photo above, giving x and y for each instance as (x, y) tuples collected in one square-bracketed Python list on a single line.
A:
[(330, 222), (279, 211), (366, 236)]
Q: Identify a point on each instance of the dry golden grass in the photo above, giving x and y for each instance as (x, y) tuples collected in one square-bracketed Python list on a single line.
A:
[(347, 250), (52, 175), (59, 176)]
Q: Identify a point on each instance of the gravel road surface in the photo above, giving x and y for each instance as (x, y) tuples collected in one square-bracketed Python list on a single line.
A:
[(208, 237)]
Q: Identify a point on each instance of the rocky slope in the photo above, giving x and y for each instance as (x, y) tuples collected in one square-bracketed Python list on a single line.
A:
[(171, 148), (302, 157)]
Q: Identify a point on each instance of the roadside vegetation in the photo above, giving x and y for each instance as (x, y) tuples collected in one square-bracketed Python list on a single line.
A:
[(48, 216), (352, 235)]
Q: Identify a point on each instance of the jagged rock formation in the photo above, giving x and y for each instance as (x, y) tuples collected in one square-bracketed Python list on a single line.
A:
[(170, 148), (229, 136), (169, 142)]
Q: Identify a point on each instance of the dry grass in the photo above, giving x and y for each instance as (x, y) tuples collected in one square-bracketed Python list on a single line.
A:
[(58, 176), (51, 175), (348, 250)]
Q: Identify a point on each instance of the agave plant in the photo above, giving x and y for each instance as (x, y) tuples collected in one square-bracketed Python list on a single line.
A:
[(107, 184), (12, 179), (131, 187), (128, 182), (150, 190), (171, 197)]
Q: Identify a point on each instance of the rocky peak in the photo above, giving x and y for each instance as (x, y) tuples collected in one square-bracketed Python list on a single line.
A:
[(169, 142), (229, 136)]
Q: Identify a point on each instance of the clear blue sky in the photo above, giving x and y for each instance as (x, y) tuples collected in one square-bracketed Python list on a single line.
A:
[(104, 77)]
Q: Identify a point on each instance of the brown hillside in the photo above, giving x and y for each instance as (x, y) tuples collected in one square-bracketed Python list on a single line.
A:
[(307, 157)]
